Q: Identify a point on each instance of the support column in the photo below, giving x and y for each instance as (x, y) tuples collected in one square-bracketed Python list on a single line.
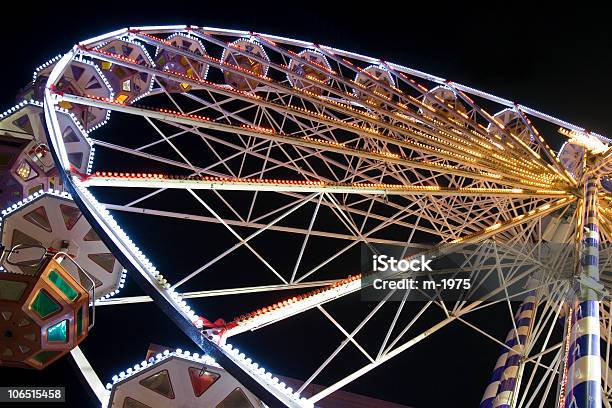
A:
[(584, 361), (500, 391), (507, 386)]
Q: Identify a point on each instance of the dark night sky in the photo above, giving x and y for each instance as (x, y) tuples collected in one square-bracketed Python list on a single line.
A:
[(559, 64)]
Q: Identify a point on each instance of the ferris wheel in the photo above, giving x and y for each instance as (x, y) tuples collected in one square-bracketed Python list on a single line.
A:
[(286, 159)]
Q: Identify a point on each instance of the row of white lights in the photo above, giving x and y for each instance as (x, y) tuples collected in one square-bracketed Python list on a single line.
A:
[(127, 39), (205, 359), (12, 208), (18, 106), (253, 367), (268, 377), (45, 65)]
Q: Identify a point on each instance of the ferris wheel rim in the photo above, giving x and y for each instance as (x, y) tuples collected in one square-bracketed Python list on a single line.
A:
[(183, 28), (89, 203)]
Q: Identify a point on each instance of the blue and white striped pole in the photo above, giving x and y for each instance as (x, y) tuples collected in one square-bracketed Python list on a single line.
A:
[(583, 360), (500, 390), (493, 387), (509, 379)]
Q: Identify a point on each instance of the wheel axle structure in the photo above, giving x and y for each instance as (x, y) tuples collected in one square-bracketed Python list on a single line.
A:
[(269, 165)]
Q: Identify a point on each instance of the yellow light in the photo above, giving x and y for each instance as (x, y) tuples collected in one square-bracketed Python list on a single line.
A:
[(24, 170), (65, 105)]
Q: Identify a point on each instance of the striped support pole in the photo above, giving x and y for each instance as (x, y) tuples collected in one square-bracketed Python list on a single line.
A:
[(509, 377), (491, 391), (501, 387), (584, 361)]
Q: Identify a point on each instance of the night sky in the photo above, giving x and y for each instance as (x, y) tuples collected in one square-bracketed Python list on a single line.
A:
[(559, 64)]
